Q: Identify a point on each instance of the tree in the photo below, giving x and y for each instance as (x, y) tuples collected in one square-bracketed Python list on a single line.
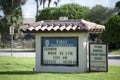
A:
[(112, 32), (12, 16), (117, 6), (72, 11), (37, 6), (100, 14), (56, 2), (48, 14), (49, 2), (42, 2)]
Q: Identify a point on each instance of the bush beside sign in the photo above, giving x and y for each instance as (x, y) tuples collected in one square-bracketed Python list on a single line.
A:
[(98, 57)]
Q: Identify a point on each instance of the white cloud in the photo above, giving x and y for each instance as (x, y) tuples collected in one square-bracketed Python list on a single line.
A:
[(112, 3), (89, 3), (29, 9)]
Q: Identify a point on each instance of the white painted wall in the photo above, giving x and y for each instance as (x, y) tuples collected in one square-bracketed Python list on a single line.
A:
[(82, 53)]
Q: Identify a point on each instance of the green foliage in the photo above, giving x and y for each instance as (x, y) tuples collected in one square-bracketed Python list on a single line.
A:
[(118, 5), (3, 45), (112, 32), (47, 14), (100, 14), (118, 13), (97, 14), (12, 16), (72, 11)]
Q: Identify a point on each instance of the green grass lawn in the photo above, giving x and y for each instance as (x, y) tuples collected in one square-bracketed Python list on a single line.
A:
[(16, 68)]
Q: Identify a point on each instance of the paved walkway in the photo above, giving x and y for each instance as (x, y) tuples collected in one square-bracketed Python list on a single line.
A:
[(18, 53), (114, 60)]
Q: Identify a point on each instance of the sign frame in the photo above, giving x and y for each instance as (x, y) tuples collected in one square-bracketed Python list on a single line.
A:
[(77, 60), (106, 60)]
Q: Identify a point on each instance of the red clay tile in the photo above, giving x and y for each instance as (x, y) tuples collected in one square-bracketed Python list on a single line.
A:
[(62, 26)]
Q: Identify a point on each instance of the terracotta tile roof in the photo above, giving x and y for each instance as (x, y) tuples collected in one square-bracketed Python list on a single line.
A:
[(62, 26)]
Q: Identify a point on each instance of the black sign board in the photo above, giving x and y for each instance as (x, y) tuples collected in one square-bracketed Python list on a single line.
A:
[(60, 51)]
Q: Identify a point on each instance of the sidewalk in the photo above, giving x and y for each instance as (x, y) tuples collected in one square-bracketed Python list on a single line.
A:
[(111, 55), (17, 50), (115, 57)]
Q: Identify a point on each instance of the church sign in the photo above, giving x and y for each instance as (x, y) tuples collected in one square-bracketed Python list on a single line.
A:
[(62, 46), (98, 59)]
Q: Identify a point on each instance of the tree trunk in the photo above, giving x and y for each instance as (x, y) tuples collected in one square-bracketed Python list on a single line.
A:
[(37, 8), (49, 1), (44, 4)]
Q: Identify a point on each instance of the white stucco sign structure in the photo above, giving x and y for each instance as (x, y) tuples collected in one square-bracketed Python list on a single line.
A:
[(60, 51), (98, 58)]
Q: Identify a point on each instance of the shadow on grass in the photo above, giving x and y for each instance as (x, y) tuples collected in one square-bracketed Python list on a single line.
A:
[(32, 72), (17, 72)]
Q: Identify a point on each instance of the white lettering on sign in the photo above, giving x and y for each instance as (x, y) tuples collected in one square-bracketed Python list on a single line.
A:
[(61, 41)]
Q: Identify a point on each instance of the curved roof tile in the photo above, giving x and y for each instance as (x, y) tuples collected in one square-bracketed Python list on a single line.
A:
[(62, 26)]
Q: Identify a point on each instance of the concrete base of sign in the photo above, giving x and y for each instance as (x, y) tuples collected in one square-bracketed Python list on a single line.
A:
[(82, 53)]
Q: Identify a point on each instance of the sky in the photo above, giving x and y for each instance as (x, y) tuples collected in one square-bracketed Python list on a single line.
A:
[(29, 9)]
